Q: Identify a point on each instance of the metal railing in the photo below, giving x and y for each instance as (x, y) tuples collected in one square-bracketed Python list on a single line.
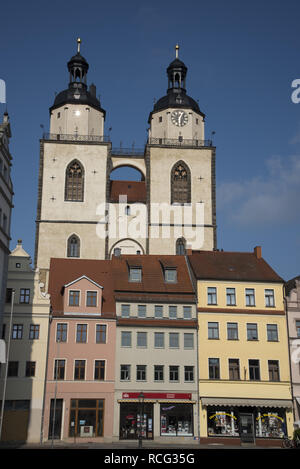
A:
[(77, 138), (120, 151), (179, 142)]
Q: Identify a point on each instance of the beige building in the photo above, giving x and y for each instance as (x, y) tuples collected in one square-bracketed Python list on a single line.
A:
[(6, 194), (27, 329), (83, 213), (156, 344), (292, 298)]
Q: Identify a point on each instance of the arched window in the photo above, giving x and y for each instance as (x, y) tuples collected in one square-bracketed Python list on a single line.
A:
[(74, 182), (180, 183), (73, 246), (180, 247)]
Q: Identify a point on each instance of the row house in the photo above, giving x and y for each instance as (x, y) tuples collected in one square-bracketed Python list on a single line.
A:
[(292, 291), (156, 343), (79, 396), (243, 354)]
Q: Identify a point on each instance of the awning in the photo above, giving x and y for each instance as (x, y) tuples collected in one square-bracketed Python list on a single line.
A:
[(219, 401)]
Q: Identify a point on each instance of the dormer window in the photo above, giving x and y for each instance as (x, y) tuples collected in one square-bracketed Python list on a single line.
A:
[(135, 274), (73, 298), (91, 298), (170, 275)]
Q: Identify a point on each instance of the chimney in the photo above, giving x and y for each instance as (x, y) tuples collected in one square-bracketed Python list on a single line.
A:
[(257, 252)]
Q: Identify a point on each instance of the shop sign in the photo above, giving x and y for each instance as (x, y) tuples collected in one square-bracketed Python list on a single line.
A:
[(156, 395)]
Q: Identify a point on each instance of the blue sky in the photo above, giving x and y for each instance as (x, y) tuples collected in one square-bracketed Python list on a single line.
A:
[(242, 57)]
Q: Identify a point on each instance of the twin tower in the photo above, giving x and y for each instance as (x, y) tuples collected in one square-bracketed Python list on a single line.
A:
[(83, 213)]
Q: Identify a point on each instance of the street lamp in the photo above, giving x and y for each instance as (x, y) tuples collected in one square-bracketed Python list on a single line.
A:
[(141, 411)]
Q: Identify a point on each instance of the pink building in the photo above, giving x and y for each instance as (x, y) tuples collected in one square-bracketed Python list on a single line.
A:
[(79, 398)]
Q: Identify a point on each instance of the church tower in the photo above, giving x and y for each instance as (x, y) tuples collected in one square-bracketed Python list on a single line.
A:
[(181, 171), (72, 173)]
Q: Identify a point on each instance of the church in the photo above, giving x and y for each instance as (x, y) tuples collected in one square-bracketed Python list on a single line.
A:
[(83, 213)]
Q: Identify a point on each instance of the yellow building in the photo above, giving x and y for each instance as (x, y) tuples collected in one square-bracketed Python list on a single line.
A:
[(243, 359)]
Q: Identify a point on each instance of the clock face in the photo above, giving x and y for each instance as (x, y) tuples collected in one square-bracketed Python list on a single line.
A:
[(179, 118)]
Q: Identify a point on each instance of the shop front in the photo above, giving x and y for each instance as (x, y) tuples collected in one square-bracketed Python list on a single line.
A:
[(247, 423), (156, 415)]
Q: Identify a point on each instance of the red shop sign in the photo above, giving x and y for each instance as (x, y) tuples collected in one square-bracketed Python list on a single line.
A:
[(156, 395)]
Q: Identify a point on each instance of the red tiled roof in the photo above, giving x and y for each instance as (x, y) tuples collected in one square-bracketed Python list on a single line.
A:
[(239, 266), (134, 190), (63, 271)]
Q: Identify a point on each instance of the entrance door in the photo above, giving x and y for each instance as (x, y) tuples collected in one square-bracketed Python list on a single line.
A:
[(56, 406), (247, 428)]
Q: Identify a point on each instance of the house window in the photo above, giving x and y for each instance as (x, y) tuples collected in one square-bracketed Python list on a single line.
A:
[(172, 312), (8, 296), (252, 333), (125, 372), (230, 297), (61, 332), (213, 330), (232, 331), (141, 372), (214, 368), (91, 298), (79, 370), (188, 340), (74, 298), (250, 297), (34, 331), (174, 340), (269, 298), (99, 373), (254, 371), (187, 312), (211, 296), (135, 274), (73, 246), (81, 333), (272, 332), (298, 328), (101, 334), (170, 275), (188, 373), (174, 373), (17, 331), (13, 369), (158, 372), (234, 368), (141, 340), (273, 366), (180, 183), (159, 339), (125, 311), (59, 369), (125, 339), (74, 184), (158, 311), (30, 369), (141, 311), (24, 295)]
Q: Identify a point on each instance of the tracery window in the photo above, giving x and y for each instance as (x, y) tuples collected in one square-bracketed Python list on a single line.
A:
[(74, 182), (180, 183), (180, 246), (73, 246)]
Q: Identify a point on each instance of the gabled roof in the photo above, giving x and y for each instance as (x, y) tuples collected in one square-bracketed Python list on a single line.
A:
[(65, 271), (80, 278), (235, 266)]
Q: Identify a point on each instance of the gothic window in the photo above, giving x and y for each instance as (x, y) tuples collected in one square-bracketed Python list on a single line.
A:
[(74, 182), (73, 246), (180, 247), (180, 183)]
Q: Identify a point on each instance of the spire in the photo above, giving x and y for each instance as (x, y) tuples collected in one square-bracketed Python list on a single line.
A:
[(78, 45), (176, 51)]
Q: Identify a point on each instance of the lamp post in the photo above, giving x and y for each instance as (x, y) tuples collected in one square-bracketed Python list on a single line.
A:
[(7, 359), (141, 411), (55, 393)]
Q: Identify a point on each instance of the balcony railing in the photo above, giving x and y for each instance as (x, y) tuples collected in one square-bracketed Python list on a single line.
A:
[(77, 138), (179, 142)]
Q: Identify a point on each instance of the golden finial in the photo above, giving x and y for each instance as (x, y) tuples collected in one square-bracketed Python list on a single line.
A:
[(176, 50), (78, 44)]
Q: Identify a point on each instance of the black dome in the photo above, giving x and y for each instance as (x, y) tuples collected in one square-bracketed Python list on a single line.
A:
[(83, 96)]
